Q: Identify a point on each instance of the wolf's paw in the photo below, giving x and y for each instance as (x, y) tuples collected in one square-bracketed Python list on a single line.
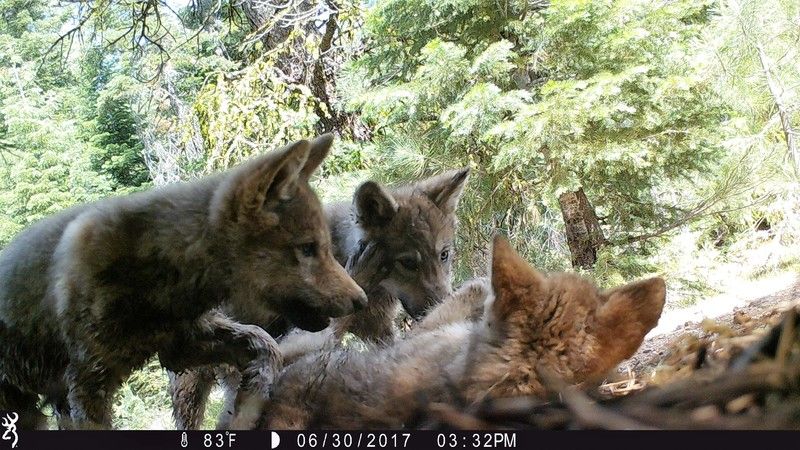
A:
[(474, 294), (465, 304), (479, 288), (249, 410)]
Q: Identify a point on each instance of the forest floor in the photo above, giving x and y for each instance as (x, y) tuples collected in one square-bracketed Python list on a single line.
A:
[(732, 312)]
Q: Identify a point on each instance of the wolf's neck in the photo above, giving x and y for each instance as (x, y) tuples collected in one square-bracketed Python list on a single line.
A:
[(180, 237), (185, 233), (484, 367)]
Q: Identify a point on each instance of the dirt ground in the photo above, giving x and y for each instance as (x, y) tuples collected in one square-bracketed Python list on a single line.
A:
[(729, 312)]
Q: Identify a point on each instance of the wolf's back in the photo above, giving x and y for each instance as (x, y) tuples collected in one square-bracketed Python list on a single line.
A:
[(25, 266)]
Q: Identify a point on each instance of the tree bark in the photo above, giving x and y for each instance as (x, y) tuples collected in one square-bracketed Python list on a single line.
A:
[(259, 15), (265, 20), (584, 235), (329, 118)]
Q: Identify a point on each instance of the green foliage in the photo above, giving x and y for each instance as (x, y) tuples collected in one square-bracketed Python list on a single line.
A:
[(46, 161), (602, 95), (398, 30), (114, 132), (143, 401), (254, 110), (740, 29), (665, 113), (616, 265)]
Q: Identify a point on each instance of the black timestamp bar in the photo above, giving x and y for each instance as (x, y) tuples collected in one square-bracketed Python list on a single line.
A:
[(497, 439), (352, 439), (523, 439), (392, 439)]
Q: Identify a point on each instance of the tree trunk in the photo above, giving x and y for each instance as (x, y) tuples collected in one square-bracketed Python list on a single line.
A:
[(584, 235), (272, 24), (329, 118)]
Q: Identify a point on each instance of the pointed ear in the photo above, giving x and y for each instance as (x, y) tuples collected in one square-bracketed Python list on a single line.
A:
[(513, 280), (629, 313), (278, 183), (318, 151), (445, 190), (375, 206), (270, 178)]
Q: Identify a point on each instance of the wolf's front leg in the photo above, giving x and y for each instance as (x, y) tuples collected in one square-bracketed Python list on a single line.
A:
[(94, 373), (189, 391), (24, 404), (90, 393), (216, 339), (229, 379)]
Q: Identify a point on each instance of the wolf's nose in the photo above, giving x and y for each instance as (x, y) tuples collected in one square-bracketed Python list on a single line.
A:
[(360, 302)]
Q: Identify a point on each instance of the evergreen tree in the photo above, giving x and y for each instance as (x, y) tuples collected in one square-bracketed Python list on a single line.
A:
[(600, 103), (45, 159)]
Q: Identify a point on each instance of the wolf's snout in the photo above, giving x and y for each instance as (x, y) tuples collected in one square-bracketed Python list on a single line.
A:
[(349, 297), (418, 310), (346, 304), (360, 302)]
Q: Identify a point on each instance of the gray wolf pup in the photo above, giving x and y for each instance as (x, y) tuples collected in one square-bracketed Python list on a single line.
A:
[(89, 294), (560, 323), (397, 243)]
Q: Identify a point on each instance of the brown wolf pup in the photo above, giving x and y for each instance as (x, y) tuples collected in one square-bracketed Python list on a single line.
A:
[(88, 295), (558, 322), (397, 244)]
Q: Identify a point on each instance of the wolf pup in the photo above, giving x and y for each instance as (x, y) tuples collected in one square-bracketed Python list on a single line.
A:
[(88, 295), (560, 323), (413, 230), (397, 244)]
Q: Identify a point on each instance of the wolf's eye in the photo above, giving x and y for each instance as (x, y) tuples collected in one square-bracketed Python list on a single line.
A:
[(308, 250), (445, 255), (408, 263)]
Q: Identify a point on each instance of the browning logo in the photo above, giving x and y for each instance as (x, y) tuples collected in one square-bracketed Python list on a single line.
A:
[(9, 423)]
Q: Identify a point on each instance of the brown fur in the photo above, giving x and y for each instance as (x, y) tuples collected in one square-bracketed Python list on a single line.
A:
[(414, 228), (88, 295), (413, 224), (373, 236), (559, 322)]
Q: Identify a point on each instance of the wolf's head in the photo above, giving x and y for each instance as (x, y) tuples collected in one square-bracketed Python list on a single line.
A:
[(277, 242), (415, 225), (560, 322)]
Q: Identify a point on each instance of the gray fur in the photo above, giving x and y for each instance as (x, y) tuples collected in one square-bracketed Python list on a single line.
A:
[(532, 324), (370, 235), (88, 295)]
